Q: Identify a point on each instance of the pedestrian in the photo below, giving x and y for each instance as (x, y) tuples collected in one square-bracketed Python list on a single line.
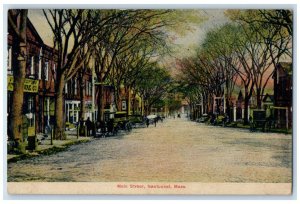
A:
[(147, 122), (110, 126), (155, 120), (88, 124)]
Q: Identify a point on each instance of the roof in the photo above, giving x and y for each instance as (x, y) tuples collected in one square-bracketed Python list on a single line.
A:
[(271, 97), (34, 32)]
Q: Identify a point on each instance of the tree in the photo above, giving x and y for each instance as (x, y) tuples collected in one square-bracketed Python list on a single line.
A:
[(129, 27), (73, 30), (267, 39), (153, 84), (17, 20)]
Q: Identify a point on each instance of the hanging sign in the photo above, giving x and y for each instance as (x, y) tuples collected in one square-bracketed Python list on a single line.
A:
[(30, 85)]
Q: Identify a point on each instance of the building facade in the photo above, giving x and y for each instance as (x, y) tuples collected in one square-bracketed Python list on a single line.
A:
[(38, 105), (283, 87)]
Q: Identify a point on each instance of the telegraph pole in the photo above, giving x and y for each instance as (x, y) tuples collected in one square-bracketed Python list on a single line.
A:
[(93, 91)]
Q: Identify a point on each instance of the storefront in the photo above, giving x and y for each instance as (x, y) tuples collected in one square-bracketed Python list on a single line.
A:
[(29, 104), (72, 108)]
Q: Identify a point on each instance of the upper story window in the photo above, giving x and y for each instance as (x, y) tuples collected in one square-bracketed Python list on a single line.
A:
[(90, 88), (66, 88), (32, 67), (46, 71), (53, 72), (40, 63), (9, 60), (75, 86), (86, 88)]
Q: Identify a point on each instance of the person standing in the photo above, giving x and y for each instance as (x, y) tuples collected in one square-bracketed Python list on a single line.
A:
[(88, 124)]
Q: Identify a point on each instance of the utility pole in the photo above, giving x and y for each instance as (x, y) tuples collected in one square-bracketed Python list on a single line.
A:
[(224, 99), (93, 91)]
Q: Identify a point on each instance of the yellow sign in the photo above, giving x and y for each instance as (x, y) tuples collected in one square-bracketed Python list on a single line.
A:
[(31, 131), (30, 85)]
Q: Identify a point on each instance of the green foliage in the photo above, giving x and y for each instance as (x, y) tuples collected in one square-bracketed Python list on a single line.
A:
[(181, 21)]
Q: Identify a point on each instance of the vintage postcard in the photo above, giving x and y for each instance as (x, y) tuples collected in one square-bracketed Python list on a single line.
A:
[(150, 101)]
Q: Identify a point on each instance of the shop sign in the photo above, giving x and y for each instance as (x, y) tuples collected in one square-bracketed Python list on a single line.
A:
[(30, 85)]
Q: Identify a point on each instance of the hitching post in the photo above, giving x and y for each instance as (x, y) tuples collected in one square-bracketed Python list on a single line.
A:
[(51, 138)]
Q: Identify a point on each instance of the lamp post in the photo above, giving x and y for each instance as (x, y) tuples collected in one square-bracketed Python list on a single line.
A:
[(224, 97), (93, 91)]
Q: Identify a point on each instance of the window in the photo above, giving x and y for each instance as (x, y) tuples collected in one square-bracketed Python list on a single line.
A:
[(54, 71), (32, 66), (40, 63), (30, 112), (30, 105), (66, 88), (40, 68), (90, 90), (86, 88), (75, 86), (9, 60), (46, 71)]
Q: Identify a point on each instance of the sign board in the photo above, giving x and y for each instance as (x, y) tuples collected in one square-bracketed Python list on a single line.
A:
[(30, 85)]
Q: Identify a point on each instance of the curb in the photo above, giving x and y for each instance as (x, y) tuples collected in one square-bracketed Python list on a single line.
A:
[(49, 151), (247, 128)]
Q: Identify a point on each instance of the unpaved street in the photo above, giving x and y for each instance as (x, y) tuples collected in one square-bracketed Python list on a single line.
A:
[(176, 150)]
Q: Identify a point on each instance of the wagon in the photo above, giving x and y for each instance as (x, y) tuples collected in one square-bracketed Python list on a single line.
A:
[(121, 121), (258, 120)]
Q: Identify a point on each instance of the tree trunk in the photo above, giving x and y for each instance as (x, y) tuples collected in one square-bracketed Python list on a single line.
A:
[(258, 98), (248, 94), (19, 73), (81, 92), (246, 104), (117, 98), (18, 95), (128, 101), (59, 110), (134, 104), (100, 102)]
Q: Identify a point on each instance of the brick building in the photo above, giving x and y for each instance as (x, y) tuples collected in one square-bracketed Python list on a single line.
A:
[(38, 106)]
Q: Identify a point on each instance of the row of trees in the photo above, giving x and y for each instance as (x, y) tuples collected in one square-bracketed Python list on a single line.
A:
[(122, 46), (242, 52)]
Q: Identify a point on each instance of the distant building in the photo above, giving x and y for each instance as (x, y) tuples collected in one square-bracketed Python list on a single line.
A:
[(268, 104)]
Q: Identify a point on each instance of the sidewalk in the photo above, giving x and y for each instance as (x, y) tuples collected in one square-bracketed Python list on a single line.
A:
[(45, 146)]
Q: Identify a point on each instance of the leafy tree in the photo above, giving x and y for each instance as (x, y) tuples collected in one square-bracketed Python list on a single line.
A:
[(73, 30), (128, 29), (153, 84)]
